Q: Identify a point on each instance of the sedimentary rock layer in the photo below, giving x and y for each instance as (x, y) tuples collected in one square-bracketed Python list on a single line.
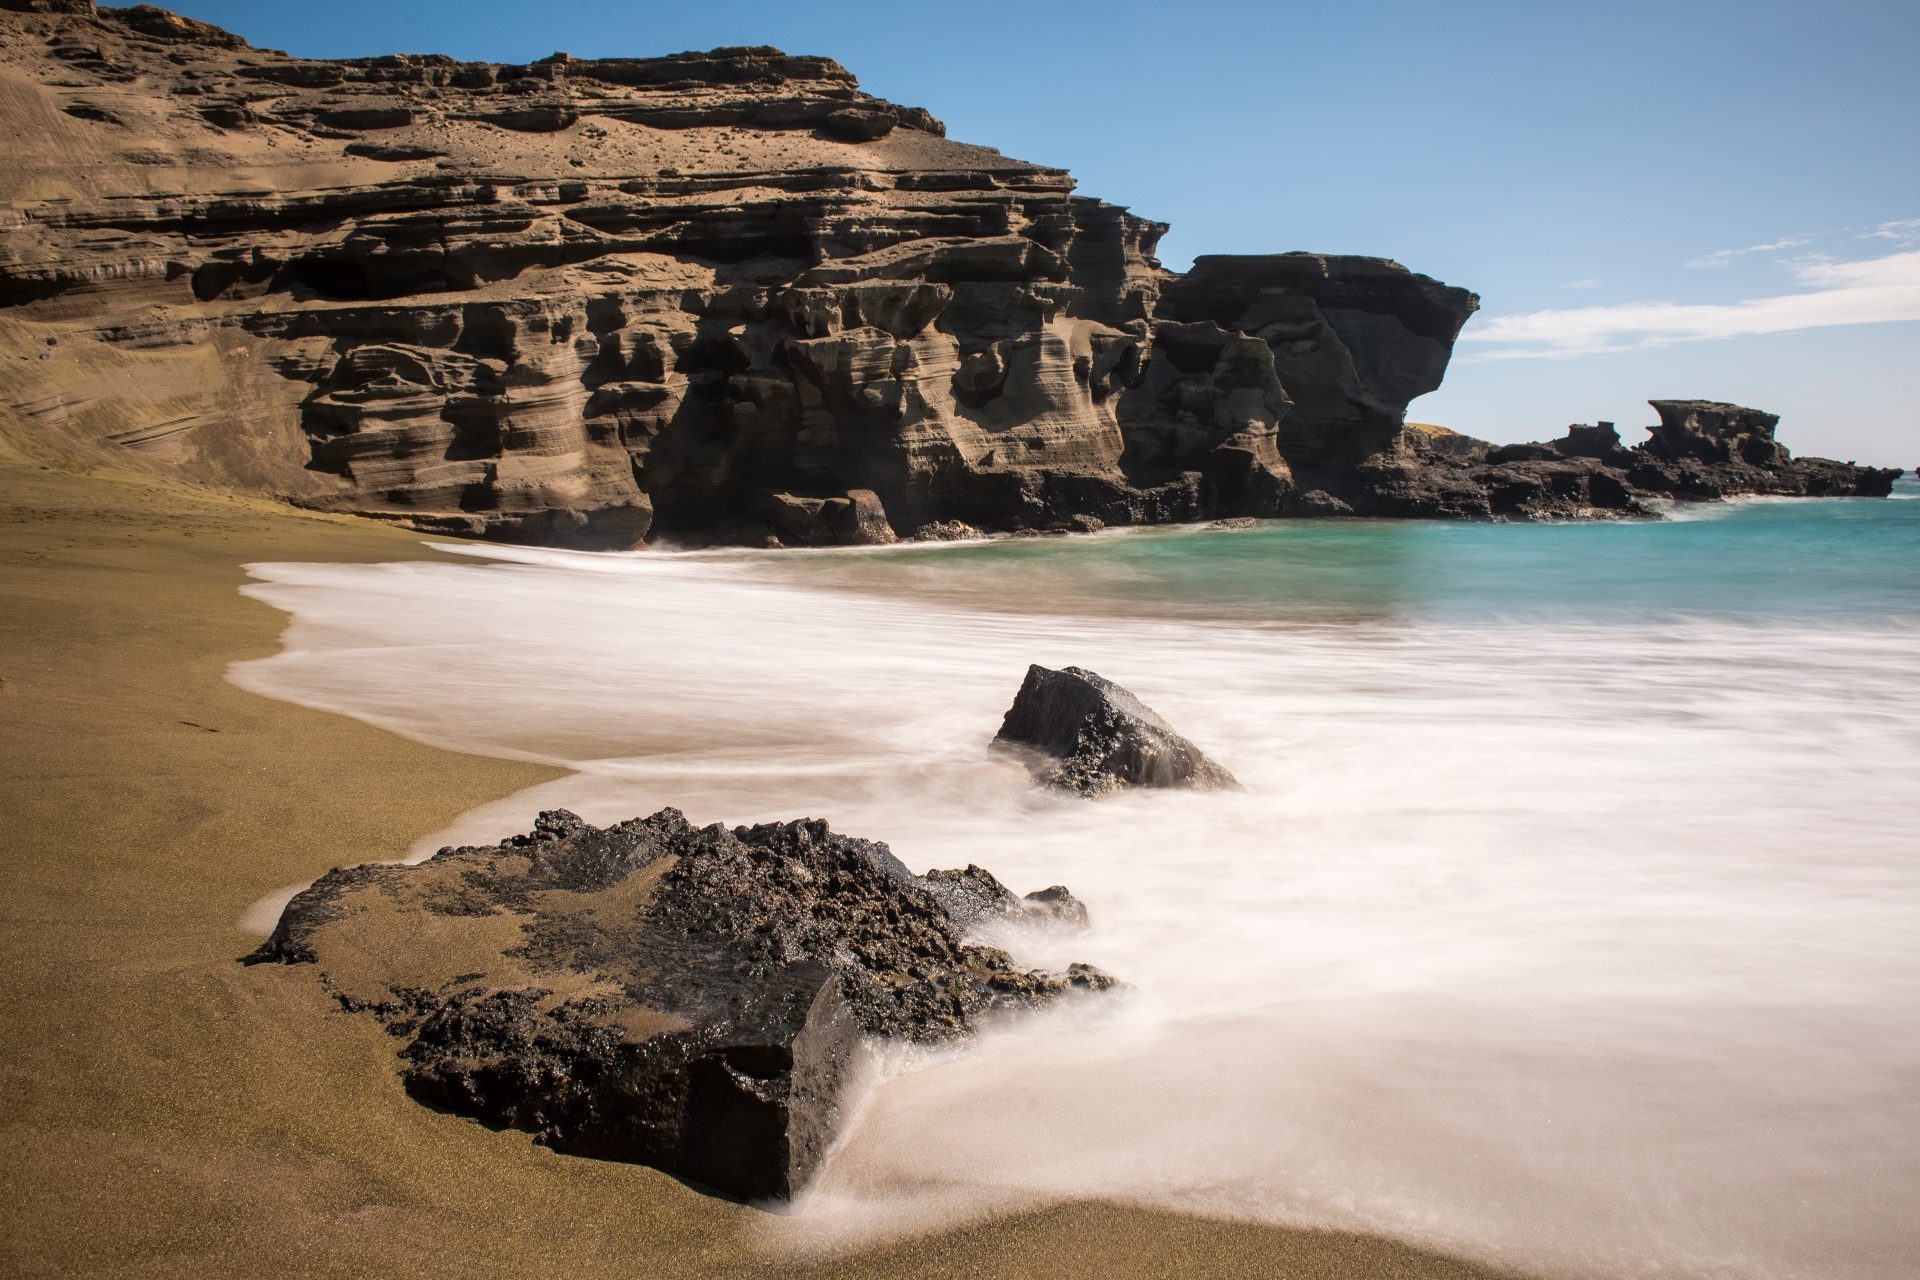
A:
[(688, 998), (721, 294)]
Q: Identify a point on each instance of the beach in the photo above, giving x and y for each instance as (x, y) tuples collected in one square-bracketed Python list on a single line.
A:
[(1563, 921), (959, 728), (177, 1114)]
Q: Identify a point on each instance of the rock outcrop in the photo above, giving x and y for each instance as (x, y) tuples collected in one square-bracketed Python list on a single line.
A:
[(974, 896), (688, 998), (1097, 738), (718, 295), (1700, 450)]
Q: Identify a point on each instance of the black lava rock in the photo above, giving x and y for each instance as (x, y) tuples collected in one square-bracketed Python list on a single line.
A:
[(687, 998), (1103, 737)]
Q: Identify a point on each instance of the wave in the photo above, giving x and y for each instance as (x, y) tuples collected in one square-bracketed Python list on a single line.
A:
[(1584, 944)]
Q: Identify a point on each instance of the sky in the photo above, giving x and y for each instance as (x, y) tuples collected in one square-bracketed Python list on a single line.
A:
[(1689, 199)]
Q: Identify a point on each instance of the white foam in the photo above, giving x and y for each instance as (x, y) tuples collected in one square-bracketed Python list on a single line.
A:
[(1571, 946)]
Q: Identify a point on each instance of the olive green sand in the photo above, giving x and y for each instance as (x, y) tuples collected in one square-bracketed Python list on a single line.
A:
[(168, 1112)]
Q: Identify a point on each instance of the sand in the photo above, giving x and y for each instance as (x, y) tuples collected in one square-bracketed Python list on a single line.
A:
[(170, 1112)]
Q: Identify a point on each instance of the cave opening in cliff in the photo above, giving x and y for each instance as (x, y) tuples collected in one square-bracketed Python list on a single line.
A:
[(344, 280)]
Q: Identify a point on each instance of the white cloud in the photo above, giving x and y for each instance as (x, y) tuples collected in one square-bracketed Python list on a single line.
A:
[(1725, 257), (1872, 291), (1904, 230), (1590, 282)]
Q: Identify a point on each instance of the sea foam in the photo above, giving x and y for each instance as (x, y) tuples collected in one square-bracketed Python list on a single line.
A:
[(1574, 939)]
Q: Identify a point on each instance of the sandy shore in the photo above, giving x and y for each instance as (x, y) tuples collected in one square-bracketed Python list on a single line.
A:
[(172, 1113)]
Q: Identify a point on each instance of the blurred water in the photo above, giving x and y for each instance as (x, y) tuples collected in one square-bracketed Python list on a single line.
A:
[(1569, 918)]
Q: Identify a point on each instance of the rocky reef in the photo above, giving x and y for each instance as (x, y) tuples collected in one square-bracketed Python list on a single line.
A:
[(718, 295), (691, 998)]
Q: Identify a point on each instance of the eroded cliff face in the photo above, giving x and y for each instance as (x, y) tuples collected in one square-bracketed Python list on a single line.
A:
[(715, 295)]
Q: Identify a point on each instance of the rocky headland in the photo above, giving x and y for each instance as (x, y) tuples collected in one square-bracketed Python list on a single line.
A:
[(712, 296), (1701, 450)]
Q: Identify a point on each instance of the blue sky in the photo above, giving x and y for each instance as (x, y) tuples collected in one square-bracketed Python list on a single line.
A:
[(1653, 200)]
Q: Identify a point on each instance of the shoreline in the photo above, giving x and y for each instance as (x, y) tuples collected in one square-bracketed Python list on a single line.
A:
[(178, 1113)]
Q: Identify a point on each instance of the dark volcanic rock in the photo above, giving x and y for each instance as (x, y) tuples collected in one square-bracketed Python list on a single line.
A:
[(1347, 341), (1318, 502), (1701, 450), (945, 531), (855, 520), (1103, 737), (1706, 449), (688, 998), (1708, 431), (972, 895), (1057, 904), (1599, 441)]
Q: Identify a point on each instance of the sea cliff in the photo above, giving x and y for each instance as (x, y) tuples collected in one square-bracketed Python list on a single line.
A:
[(721, 296)]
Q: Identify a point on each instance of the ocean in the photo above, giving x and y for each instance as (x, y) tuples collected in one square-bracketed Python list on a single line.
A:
[(1570, 918)]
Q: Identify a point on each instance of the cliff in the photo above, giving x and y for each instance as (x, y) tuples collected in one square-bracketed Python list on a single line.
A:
[(712, 296), (706, 295)]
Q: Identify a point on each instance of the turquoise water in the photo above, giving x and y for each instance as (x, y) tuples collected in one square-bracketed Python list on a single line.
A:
[(1569, 918), (1845, 558)]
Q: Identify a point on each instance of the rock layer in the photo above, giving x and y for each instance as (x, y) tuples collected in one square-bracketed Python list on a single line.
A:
[(712, 296), (1098, 738), (688, 998), (715, 295)]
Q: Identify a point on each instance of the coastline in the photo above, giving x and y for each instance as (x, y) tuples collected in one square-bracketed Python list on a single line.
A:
[(178, 1113)]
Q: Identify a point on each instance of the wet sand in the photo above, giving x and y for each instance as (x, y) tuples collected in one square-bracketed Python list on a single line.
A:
[(170, 1112)]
